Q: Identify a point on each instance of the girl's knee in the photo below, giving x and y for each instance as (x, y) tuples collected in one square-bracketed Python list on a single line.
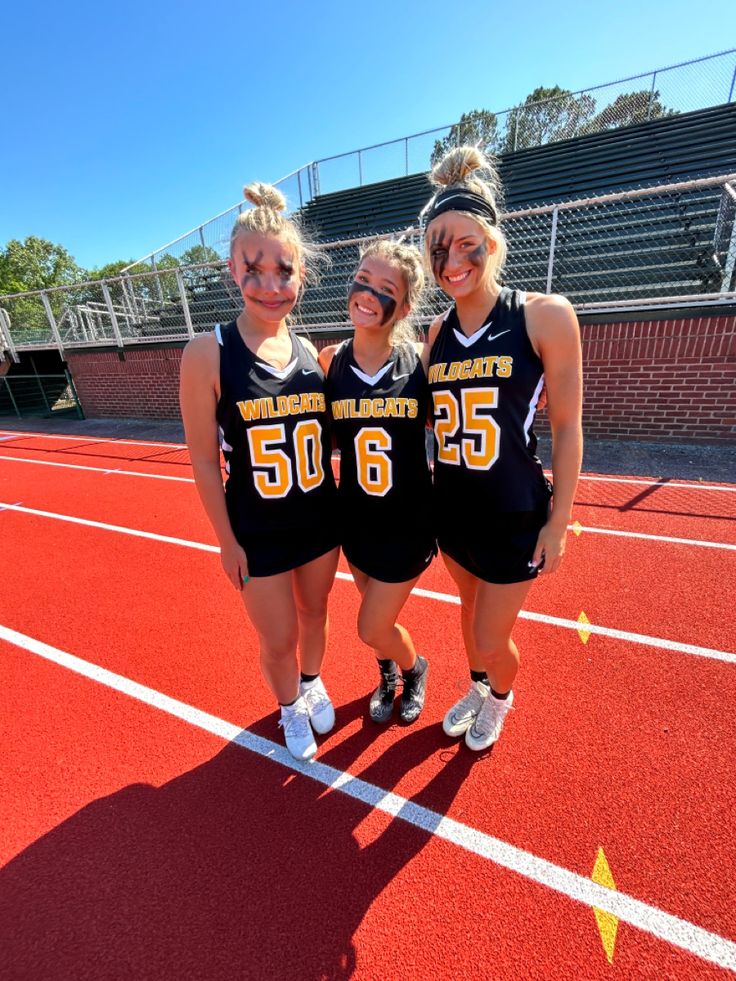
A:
[(493, 647), (312, 613), (279, 647), (375, 633)]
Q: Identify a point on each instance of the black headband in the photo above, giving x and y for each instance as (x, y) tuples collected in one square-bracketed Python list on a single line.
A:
[(461, 199)]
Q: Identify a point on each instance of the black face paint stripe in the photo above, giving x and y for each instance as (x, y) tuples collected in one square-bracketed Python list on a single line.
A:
[(478, 256), (439, 250), (251, 277), (388, 303)]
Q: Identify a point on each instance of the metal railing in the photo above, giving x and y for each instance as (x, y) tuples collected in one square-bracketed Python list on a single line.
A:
[(210, 241), (684, 87), (662, 247)]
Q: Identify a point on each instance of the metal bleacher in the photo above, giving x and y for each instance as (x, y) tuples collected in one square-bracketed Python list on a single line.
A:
[(649, 246)]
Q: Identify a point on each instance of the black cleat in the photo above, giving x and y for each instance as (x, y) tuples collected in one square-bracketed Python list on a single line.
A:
[(415, 686), (382, 699)]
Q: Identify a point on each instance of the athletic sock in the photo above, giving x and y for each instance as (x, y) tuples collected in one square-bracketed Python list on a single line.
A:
[(417, 668), (385, 666), (480, 676), (501, 698), (305, 678), (289, 704)]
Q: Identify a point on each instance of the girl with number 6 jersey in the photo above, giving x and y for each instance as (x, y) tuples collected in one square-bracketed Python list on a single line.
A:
[(491, 355), (377, 394), (255, 390)]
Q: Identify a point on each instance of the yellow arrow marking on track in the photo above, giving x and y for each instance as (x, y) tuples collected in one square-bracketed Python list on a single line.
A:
[(607, 922), (583, 633)]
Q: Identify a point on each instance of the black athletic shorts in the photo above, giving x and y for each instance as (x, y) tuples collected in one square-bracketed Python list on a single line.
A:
[(389, 557), (497, 549), (276, 552)]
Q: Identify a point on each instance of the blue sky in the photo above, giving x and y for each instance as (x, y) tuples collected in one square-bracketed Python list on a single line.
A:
[(123, 127)]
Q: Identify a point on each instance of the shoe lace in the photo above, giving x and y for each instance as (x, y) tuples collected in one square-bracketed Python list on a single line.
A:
[(471, 702), (491, 715), (295, 722), (316, 698), (390, 682)]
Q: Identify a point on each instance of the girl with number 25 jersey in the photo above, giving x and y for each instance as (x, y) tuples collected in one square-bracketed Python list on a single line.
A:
[(491, 355)]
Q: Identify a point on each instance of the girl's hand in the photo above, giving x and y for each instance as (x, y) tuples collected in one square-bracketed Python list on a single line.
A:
[(235, 564), (551, 547)]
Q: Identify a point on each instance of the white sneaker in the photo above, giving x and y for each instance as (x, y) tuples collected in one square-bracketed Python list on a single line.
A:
[(321, 711), (462, 714), (297, 730), (489, 722)]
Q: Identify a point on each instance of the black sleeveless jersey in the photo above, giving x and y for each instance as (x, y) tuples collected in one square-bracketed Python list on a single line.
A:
[(379, 424), (275, 439), (484, 391)]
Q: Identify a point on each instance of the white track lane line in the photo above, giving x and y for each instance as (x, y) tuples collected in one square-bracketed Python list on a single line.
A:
[(644, 639), (182, 446), (189, 480), (649, 919), (9, 434), (653, 538), (79, 466), (730, 488)]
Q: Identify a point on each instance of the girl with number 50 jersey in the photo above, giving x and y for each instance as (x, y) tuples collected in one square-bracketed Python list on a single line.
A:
[(255, 390)]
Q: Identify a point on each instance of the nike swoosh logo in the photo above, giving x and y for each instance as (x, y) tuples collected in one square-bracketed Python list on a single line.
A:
[(309, 371), (492, 337), (395, 378)]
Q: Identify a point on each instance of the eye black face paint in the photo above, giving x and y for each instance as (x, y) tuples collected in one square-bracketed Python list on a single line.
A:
[(439, 251), (388, 303), (250, 277), (286, 271), (478, 255)]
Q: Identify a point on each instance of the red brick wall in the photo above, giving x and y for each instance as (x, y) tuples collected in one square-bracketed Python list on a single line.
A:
[(666, 380), (143, 385)]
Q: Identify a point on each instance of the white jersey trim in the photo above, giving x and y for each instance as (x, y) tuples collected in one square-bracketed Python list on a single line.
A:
[(218, 334), (533, 408), (372, 379), (280, 373), (467, 341)]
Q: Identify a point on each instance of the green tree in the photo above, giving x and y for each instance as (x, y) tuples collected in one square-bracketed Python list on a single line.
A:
[(547, 115), (199, 253), (479, 127), (200, 280), (36, 264), (628, 109), (110, 270)]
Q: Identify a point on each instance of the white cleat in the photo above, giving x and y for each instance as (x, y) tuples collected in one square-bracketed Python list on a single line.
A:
[(489, 722), (319, 706), (463, 713), (298, 733)]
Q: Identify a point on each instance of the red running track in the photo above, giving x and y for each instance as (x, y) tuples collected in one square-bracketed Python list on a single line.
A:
[(615, 745)]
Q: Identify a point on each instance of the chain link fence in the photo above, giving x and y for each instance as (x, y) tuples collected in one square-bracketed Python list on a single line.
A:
[(667, 246), (665, 92), (211, 240)]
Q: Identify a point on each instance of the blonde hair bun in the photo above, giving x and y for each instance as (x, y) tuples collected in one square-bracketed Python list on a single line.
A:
[(457, 164), (264, 196)]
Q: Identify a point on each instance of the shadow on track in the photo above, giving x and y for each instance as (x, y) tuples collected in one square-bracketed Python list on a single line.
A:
[(236, 869)]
